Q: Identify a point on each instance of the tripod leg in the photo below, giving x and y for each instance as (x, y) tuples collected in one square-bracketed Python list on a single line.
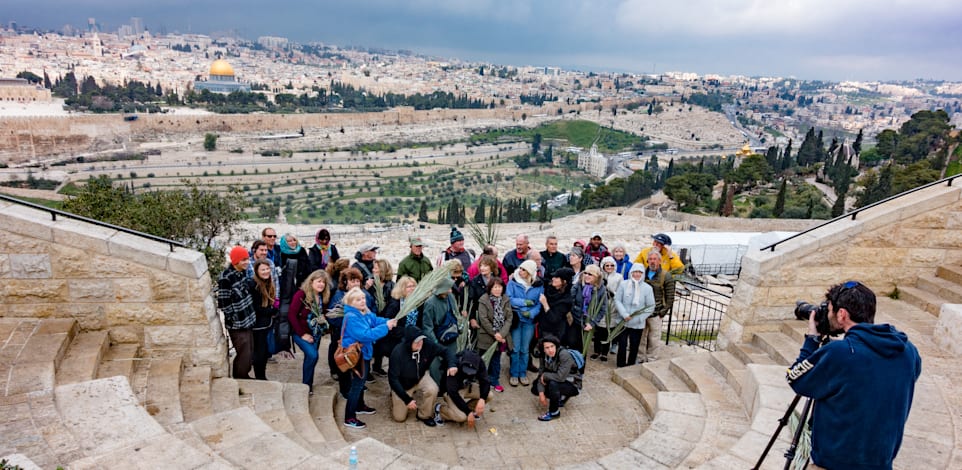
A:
[(782, 422), (790, 453)]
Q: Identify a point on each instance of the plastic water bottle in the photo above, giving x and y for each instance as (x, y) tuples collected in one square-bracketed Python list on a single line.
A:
[(352, 460)]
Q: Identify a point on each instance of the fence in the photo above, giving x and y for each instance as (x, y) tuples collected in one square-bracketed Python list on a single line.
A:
[(696, 315)]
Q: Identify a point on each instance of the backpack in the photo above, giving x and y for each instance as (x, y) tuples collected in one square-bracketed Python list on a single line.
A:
[(578, 358), (447, 332)]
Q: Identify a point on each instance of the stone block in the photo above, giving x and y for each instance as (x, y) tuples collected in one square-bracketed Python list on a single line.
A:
[(199, 289), (188, 263), (4, 265), (139, 250), (69, 262), (153, 314), (26, 221), (629, 458), (90, 290), (125, 334), (34, 291), (87, 237), (371, 454), (164, 287), (29, 266), (681, 402), (674, 424), (132, 290), (31, 377), (175, 336), (948, 330)]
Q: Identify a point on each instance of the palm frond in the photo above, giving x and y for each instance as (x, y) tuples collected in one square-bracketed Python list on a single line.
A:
[(489, 354), (425, 288), (483, 236)]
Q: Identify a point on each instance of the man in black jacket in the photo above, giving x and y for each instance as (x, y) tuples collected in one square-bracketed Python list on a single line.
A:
[(472, 380), (407, 375)]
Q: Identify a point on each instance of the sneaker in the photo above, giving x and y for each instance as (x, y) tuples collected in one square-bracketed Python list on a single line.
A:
[(513, 381), (437, 415), (429, 422), (595, 356), (561, 401), (549, 416), (365, 410), (498, 388), (524, 380), (370, 378), (355, 423), (603, 358), (532, 368), (379, 372)]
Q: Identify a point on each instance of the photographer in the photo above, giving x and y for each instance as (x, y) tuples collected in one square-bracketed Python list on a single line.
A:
[(862, 385)]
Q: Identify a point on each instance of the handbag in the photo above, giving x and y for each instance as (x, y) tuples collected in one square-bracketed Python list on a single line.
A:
[(347, 358)]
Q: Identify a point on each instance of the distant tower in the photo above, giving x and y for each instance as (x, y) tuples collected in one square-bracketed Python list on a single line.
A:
[(137, 24), (92, 25), (13, 26)]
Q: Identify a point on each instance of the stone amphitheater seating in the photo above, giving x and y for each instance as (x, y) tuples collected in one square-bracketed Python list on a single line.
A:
[(78, 399)]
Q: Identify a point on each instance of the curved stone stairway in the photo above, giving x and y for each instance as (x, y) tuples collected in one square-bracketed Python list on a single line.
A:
[(74, 399)]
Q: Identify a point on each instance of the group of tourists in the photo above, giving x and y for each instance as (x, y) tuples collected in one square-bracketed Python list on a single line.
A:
[(545, 306)]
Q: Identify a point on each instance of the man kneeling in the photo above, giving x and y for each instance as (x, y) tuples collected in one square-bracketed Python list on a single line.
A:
[(469, 383), (558, 377), (407, 375)]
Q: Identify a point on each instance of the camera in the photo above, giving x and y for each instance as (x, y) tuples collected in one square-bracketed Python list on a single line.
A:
[(804, 309)]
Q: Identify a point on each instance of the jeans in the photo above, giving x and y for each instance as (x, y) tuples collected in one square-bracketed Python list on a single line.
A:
[(494, 368), (355, 396), (521, 336), (310, 359)]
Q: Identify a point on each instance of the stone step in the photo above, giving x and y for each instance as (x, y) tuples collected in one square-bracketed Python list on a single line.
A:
[(673, 433), (748, 354), (731, 368), (165, 448), (20, 461), (795, 330), (187, 435), (195, 389), (927, 442), (224, 395), (322, 410), (660, 374), (83, 357), (297, 404), (266, 398), (630, 379), (922, 299), (944, 288), (163, 391), (782, 349), (34, 351), (30, 425), (725, 418), (905, 316), (950, 273), (243, 439), (120, 359)]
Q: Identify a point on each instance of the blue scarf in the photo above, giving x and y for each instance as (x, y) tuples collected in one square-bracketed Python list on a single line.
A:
[(286, 249)]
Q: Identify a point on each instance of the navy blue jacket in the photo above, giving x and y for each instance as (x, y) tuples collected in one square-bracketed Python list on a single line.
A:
[(863, 387)]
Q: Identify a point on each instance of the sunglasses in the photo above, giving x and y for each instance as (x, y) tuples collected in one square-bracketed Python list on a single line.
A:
[(270, 236)]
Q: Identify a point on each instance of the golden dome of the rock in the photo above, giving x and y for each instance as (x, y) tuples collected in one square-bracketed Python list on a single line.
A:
[(221, 68)]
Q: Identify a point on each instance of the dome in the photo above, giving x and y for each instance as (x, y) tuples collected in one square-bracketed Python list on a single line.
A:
[(221, 68)]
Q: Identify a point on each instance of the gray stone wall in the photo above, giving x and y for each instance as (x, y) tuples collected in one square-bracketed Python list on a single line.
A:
[(138, 290), (885, 247)]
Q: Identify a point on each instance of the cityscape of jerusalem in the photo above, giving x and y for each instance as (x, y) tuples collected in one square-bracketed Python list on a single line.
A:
[(573, 235)]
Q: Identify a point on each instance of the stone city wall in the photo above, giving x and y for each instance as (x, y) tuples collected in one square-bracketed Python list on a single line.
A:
[(136, 289), (886, 246)]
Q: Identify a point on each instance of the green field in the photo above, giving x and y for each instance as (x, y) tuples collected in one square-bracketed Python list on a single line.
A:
[(575, 133)]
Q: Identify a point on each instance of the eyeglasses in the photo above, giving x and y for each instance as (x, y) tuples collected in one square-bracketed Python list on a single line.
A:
[(270, 236)]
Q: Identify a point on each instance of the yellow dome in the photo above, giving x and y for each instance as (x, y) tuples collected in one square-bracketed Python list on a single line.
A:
[(222, 68)]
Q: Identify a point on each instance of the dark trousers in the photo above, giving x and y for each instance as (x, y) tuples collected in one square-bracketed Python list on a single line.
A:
[(260, 353), (355, 395), (243, 341), (628, 341), (600, 337), (555, 390)]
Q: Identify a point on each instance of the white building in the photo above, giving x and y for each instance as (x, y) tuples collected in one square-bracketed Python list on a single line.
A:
[(594, 163)]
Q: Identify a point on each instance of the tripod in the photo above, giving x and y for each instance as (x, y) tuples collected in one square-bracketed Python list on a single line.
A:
[(783, 421)]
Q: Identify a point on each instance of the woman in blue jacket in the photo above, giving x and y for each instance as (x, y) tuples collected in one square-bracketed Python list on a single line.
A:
[(526, 302), (360, 326)]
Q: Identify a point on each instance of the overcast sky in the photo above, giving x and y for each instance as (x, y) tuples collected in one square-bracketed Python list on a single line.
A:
[(809, 39)]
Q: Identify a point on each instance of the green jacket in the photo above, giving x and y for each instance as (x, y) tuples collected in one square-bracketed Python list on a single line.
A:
[(435, 310), (663, 286), (416, 267)]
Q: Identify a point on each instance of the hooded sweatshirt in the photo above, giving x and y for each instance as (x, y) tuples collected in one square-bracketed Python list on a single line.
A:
[(635, 295), (407, 367), (863, 387)]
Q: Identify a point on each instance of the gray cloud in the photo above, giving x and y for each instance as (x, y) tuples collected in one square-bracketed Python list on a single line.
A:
[(827, 39)]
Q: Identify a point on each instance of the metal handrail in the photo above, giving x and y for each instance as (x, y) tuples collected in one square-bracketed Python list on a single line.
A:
[(854, 213), (55, 212)]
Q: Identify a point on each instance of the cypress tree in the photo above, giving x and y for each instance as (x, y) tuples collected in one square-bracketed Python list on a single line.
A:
[(780, 200)]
